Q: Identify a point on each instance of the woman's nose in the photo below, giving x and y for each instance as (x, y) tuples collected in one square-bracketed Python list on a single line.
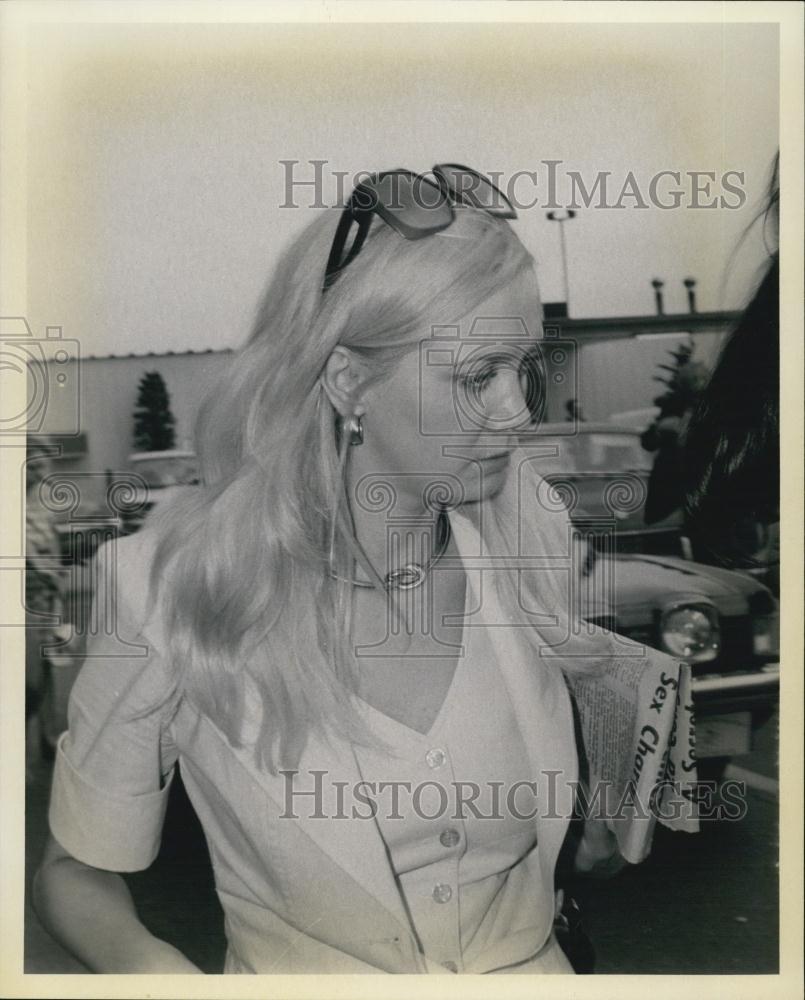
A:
[(507, 406)]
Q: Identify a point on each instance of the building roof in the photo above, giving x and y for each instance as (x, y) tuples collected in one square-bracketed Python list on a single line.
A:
[(158, 354), (664, 323)]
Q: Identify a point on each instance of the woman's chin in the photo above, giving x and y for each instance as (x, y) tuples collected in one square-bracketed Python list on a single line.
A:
[(489, 487), (493, 486)]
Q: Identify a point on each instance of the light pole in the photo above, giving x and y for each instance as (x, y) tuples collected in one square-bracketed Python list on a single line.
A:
[(657, 284), (690, 285), (562, 218)]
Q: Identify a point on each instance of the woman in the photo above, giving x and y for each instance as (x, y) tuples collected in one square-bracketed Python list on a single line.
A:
[(330, 635)]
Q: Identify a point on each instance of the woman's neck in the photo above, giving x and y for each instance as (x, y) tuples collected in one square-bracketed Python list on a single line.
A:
[(392, 524)]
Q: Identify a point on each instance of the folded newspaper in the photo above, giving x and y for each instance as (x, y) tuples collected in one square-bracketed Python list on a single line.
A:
[(637, 748)]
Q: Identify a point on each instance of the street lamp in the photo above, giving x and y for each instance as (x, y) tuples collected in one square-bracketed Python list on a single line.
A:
[(690, 285), (657, 284), (562, 218)]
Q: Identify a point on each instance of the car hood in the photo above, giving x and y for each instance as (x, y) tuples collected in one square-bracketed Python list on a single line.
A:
[(639, 584)]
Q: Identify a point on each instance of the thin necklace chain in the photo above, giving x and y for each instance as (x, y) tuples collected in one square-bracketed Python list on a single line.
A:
[(412, 574)]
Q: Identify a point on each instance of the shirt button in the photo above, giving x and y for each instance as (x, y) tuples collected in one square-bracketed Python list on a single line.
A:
[(449, 837), (435, 758), (450, 966), (442, 893)]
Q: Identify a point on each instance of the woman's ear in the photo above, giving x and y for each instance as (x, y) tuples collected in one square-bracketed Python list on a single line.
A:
[(343, 378)]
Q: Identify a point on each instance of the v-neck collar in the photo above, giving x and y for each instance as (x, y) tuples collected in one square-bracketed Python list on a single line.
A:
[(408, 733)]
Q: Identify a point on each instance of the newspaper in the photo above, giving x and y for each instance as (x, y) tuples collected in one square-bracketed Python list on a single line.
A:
[(637, 748)]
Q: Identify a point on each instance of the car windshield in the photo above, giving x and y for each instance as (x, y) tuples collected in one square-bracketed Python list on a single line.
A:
[(595, 451)]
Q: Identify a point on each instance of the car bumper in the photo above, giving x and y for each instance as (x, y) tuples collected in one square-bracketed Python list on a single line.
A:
[(729, 709), (737, 692)]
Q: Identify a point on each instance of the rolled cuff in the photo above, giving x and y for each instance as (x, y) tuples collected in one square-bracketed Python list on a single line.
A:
[(105, 829)]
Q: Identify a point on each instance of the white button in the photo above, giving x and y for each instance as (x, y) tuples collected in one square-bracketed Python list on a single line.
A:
[(442, 893), (435, 758), (450, 966), (449, 837)]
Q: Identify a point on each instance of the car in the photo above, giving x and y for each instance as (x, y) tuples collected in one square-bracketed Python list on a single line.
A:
[(723, 623), (641, 584)]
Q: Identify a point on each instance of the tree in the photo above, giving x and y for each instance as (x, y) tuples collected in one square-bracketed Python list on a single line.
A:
[(684, 383), (153, 420)]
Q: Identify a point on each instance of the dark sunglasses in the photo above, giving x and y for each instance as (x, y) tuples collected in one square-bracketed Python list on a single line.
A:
[(413, 205)]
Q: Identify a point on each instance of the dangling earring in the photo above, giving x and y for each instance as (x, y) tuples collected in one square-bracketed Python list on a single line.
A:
[(350, 435), (353, 429)]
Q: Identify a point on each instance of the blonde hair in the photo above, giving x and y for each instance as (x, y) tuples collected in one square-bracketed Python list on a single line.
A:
[(243, 562)]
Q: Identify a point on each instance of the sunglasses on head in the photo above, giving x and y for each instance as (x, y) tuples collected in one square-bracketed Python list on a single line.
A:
[(413, 205)]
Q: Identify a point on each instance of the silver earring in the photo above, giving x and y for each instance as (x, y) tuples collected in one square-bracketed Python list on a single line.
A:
[(353, 429)]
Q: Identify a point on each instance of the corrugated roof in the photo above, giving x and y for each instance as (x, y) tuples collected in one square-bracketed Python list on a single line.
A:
[(157, 354)]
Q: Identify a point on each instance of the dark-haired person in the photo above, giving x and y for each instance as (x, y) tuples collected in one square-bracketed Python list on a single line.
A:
[(732, 446)]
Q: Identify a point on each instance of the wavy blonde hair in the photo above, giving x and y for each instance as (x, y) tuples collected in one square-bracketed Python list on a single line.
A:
[(250, 606)]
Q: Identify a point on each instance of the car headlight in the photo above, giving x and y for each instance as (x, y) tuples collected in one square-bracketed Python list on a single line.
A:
[(691, 632)]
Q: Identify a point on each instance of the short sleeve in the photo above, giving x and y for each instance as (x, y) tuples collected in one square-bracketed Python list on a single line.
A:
[(114, 765)]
